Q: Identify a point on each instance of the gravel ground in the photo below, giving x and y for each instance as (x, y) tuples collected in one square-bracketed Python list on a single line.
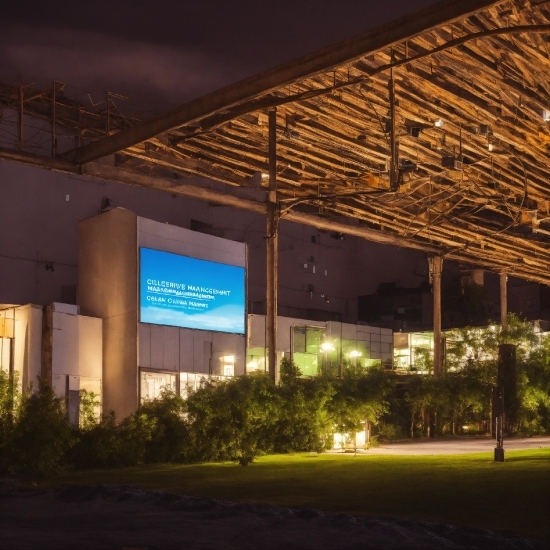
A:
[(122, 516)]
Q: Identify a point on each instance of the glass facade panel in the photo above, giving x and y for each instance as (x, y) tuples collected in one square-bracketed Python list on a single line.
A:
[(153, 383), (314, 338), (256, 360), (306, 349), (308, 363), (413, 351), (192, 381)]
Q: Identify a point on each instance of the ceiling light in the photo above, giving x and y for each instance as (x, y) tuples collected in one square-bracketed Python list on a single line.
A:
[(439, 123), (327, 346), (490, 147), (546, 115)]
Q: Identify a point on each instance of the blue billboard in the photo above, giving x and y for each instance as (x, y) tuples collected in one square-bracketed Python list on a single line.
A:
[(186, 292)]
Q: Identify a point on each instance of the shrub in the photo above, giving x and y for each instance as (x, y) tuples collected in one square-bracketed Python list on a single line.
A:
[(303, 422), (232, 419), (40, 435)]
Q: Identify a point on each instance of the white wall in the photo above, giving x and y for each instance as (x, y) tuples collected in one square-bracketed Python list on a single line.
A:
[(24, 324), (170, 238), (186, 350), (77, 347)]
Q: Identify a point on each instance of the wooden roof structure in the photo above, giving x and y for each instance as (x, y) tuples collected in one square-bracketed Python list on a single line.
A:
[(430, 132)]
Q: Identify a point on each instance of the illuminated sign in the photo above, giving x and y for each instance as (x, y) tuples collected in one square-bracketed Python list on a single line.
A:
[(191, 293)]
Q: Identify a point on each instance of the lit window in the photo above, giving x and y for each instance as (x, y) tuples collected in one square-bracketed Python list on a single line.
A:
[(154, 383)]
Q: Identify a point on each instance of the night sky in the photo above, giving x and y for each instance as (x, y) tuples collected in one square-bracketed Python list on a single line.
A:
[(162, 53)]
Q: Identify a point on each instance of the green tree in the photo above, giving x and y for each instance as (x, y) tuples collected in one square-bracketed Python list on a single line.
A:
[(303, 422), (41, 435)]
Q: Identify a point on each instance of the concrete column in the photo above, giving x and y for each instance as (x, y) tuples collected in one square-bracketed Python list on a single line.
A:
[(437, 268), (503, 300), (272, 249)]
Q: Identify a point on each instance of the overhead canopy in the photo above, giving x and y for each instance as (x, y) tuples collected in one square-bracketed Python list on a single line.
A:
[(471, 139)]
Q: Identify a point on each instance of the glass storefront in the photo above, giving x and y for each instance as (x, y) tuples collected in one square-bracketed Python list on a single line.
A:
[(316, 352), (413, 351), (256, 360), (154, 383), (306, 349)]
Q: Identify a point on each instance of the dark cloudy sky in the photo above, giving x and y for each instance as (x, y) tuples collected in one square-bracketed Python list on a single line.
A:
[(164, 52)]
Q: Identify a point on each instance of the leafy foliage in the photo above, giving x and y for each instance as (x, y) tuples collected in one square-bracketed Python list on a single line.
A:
[(244, 417), (36, 435), (462, 396)]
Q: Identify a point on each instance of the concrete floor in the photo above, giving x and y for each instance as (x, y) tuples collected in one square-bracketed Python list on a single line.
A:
[(460, 445)]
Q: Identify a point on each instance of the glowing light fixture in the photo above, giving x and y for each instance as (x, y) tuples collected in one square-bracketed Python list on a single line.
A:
[(546, 115), (327, 346), (490, 147), (439, 123), (354, 353), (228, 362)]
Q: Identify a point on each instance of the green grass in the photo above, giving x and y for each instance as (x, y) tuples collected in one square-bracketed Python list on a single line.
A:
[(460, 489)]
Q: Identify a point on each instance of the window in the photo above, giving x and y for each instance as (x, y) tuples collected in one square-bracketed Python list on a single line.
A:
[(154, 383), (306, 349), (256, 360)]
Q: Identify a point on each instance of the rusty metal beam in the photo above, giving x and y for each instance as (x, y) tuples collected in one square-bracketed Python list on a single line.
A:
[(130, 177), (445, 11)]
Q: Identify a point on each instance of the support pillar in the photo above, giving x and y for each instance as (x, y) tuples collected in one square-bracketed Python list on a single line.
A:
[(54, 104), (272, 249), (503, 300), (21, 100), (47, 345), (436, 269)]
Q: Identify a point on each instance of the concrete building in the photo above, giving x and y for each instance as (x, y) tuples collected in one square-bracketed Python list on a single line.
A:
[(320, 273), (54, 342), (104, 343)]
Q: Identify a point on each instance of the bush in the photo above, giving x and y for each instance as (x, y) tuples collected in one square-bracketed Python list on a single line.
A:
[(232, 419), (245, 417), (303, 422), (40, 435)]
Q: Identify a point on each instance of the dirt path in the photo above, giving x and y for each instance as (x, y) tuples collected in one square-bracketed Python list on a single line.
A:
[(115, 516)]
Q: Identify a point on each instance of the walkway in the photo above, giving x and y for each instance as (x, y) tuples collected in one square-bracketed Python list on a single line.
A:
[(460, 445)]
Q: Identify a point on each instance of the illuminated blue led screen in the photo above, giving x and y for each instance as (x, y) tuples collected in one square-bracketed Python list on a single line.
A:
[(186, 292)]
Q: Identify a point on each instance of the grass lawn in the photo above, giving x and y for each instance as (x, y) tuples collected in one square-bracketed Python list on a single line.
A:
[(461, 489)]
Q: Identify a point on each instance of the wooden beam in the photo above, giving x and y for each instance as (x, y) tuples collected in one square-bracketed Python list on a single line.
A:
[(534, 269), (47, 345), (445, 11)]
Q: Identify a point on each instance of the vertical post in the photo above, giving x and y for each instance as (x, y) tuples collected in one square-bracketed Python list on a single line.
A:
[(79, 137), (503, 300), (54, 137), (21, 107), (108, 113), (394, 160), (437, 268), (272, 249), (47, 344)]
